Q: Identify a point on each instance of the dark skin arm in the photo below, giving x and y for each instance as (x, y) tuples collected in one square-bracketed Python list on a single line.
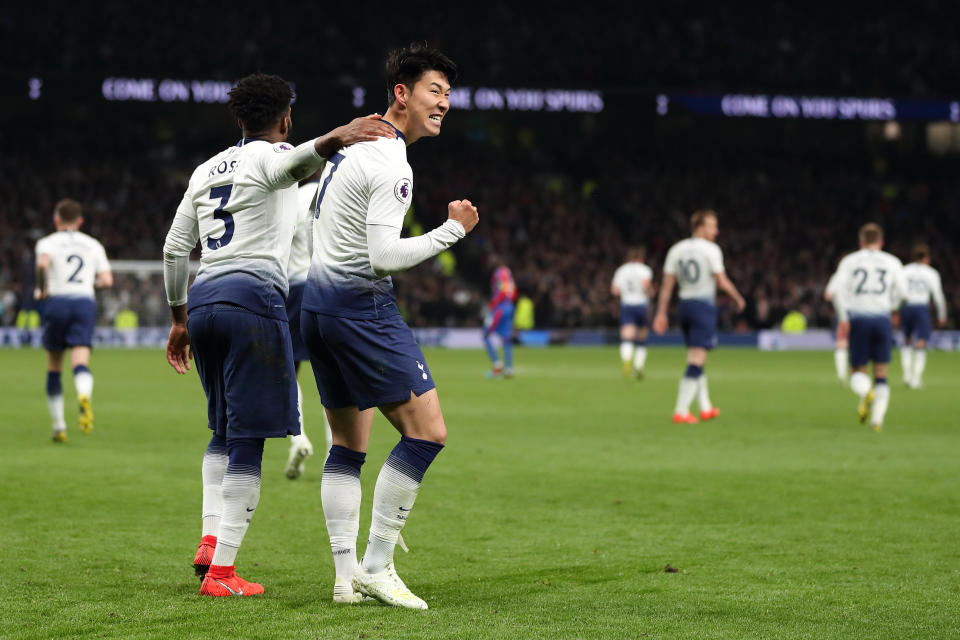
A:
[(179, 353)]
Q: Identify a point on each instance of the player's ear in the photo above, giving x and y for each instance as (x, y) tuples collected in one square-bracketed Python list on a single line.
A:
[(400, 93), (240, 124)]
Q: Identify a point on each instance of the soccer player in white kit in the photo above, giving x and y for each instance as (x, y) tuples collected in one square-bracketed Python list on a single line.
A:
[(363, 354), (297, 269), (632, 284), (870, 285), (923, 283), (841, 355), (241, 205), (696, 265), (69, 265)]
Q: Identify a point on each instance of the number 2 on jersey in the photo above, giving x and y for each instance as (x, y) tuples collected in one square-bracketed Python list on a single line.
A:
[(335, 160), (223, 193), (863, 274), (73, 276)]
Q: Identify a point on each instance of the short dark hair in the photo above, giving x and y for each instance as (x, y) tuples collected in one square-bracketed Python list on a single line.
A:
[(921, 252), (259, 100), (68, 210), (871, 233), (637, 253), (699, 217), (406, 65)]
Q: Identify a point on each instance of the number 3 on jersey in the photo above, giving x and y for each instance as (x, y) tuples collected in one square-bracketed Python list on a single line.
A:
[(223, 193)]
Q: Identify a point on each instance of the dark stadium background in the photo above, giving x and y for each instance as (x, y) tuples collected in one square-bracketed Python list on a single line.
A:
[(561, 195)]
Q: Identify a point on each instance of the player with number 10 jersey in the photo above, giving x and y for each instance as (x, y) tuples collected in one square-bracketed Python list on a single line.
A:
[(696, 266)]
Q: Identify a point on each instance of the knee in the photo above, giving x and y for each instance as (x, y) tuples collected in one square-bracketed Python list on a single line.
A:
[(436, 431)]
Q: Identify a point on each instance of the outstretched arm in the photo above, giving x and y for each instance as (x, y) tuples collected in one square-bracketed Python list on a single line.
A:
[(390, 253), (309, 157)]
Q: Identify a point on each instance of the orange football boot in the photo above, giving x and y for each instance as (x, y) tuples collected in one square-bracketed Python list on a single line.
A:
[(709, 415), (684, 418), (224, 581), (201, 561)]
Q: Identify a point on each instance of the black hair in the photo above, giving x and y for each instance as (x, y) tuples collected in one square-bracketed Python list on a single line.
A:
[(259, 100), (407, 64)]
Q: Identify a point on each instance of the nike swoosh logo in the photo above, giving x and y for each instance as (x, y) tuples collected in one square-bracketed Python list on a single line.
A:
[(238, 592), (254, 509), (402, 509)]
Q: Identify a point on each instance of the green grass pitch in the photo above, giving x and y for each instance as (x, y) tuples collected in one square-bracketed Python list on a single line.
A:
[(560, 498)]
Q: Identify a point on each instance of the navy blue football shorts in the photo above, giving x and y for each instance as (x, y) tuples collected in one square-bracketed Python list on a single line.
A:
[(294, 300), (698, 320), (364, 363), (68, 321), (245, 364), (871, 339), (635, 314), (916, 323)]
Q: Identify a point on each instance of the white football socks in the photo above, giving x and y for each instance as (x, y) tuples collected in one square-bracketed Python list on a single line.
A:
[(688, 389), (880, 402), (55, 406), (83, 381), (703, 394), (393, 499), (906, 362), (860, 384), (840, 360), (241, 494), (214, 465), (626, 350), (340, 494), (639, 358), (919, 364)]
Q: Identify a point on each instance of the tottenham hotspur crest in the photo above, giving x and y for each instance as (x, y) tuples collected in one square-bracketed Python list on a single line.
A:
[(422, 372), (403, 189)]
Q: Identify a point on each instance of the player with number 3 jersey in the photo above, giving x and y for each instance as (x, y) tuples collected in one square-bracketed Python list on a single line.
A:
[(241, 205), (695, 265)]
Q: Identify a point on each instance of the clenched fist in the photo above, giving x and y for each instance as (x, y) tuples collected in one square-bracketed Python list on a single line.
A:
[(465, 213)]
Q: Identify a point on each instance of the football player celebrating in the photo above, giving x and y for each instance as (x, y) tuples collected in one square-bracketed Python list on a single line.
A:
[(363, 354), (241, 205)]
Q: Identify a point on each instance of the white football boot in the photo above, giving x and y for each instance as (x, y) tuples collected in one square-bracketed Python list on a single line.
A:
[(300, 450), (387, 587)]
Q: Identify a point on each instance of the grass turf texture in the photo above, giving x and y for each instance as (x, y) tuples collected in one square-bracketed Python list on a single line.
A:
[(560, 498)]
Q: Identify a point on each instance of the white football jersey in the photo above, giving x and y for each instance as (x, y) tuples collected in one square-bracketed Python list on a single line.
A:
[(832, 285), (630, 278), (923, 282), (695, 263), (369, 183), (243, 206), (870, 283), (299, 264), (75, 261)]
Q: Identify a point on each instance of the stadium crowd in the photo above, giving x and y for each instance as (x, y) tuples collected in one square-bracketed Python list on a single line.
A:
[(785, 222)]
